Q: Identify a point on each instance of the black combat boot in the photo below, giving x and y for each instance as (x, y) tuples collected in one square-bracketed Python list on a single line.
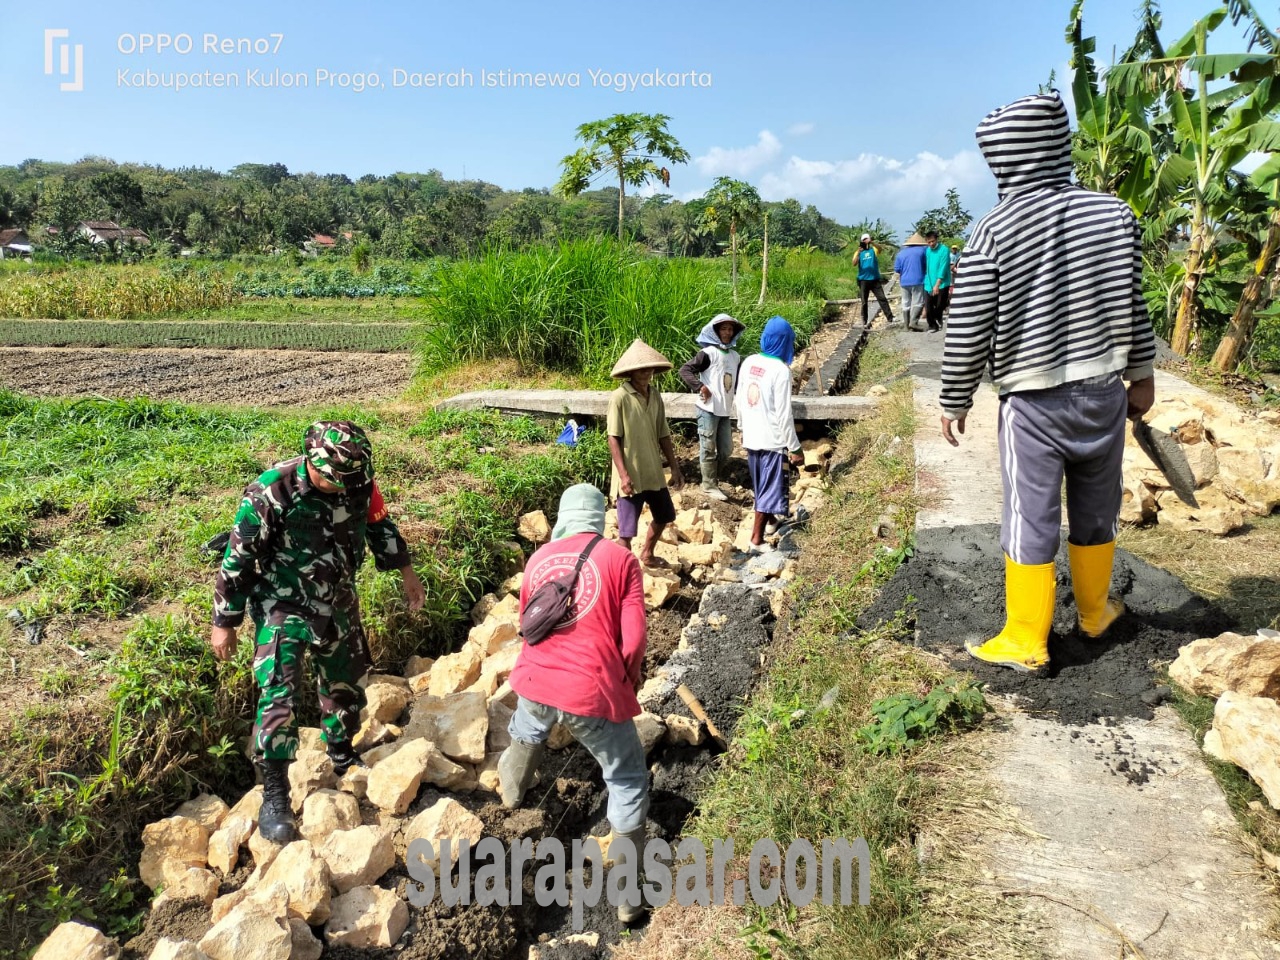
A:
[(275, 819), (344, 757)]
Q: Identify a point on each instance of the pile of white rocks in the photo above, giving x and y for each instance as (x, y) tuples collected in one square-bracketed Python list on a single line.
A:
[(443, 725), (1234, 457), (1243, 672)]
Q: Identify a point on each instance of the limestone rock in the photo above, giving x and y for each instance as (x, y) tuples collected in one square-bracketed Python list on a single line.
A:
[(512, 584), (369, 679), (1137, 503), (386, 701), (1248, 735), (487, 772), (225, 904), (1216, 514), (505, 695), (560, 737), (263, 852), (1203, 460), (226, 841), (534, 527), (457, 724), (454, 672), (250, 930), (682, 730), (483, 607), (248, 805), (444, 773), (659, 587), (311, 738), (492, 635), (169, 843), (499, 665), (366, 917), (306, 876), (355, 782), (374, 733), (303, 944), (1252, 475), (76, 941), (767, 564), (310, 771), (691, 526), (650, 728), (394, 782), (499, 719), (326, 811), (168, 949), (206, 810), (878, 390), (416, 666), (358, 857), (507, 608), (446, 818), (653, 690), (378, 754), (192, 883), (1246, 665)]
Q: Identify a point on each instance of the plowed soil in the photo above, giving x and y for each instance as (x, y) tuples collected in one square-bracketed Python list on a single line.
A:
[(238, 377)]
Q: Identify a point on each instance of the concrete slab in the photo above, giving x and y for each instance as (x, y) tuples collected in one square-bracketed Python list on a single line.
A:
[(595, 403), (1130, 836)]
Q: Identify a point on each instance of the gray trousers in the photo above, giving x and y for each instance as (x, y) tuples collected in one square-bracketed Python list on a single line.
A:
[(615, 746), (1076, 430)]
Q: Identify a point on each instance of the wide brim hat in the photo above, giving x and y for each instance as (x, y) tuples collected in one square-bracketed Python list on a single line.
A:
[(340, 452), (719, 318), (915, 240), (639, 356)]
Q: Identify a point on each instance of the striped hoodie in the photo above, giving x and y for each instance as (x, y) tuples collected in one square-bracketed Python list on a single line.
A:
[(1049, 287)]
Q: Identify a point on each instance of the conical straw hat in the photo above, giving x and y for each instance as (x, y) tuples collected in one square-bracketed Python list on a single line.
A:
[(915, 240), (639, 356)]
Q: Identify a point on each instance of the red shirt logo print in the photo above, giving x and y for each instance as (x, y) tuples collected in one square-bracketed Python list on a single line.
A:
[(586, 592)]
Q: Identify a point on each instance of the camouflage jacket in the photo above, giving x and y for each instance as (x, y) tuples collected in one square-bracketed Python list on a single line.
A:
[(295, 550)]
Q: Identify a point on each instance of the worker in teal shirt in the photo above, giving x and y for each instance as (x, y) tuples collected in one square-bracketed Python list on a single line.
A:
[(937, 280), (869, 282)]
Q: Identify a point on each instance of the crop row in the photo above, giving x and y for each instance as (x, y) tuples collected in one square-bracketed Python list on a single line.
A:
[(365, 337)]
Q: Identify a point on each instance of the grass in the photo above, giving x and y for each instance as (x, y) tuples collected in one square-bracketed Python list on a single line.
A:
[(122, 711), (577, 306), (803, 762)]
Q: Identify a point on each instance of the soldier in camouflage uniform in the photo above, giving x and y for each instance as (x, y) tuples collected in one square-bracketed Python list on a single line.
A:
[(299, 537)]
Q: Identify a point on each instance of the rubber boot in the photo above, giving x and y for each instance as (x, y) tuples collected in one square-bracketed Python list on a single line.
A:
[(1023, 644), (275, 819), (344, 756), (628, 914), (1090, 581), (711, 479), (516, 767)]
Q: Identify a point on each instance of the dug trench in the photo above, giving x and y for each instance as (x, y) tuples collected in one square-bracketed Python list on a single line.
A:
[(716, 653)]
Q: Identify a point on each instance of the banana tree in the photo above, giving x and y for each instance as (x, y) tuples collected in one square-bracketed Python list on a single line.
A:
[(1211, 133), (1240, 330)]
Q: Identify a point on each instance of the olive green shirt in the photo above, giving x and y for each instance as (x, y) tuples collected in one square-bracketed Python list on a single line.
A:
[(638, 426)]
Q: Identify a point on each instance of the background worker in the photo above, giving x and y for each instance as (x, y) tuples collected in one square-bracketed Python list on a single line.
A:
[(867, 260), (299, 537), (909, 266), (712, 373)]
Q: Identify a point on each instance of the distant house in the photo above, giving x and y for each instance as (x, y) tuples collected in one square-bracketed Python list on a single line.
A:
[(321, 242), (107, 231), (14, 243)]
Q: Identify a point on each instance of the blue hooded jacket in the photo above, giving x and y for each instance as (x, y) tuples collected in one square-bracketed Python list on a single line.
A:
[(778, 340)]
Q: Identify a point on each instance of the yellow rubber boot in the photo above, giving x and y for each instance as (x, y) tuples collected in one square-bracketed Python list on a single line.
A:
[(1023, 644), (1090, 581)]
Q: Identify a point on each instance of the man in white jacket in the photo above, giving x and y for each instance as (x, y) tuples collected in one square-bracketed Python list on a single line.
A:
[(768, 429), (712, 373)]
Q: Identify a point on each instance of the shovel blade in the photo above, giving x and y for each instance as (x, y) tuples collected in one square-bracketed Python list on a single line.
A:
[(1166, 453)]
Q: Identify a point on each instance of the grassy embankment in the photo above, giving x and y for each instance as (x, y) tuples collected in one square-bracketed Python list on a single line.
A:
[(817, 754), (121, 711)]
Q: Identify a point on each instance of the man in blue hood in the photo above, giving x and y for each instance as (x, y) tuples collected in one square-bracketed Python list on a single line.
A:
[(712, 374), (1050, 302)]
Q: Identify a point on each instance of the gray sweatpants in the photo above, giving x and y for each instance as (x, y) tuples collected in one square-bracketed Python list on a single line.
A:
[(1076, 429)]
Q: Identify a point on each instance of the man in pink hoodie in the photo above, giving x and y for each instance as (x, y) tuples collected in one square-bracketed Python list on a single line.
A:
[(586, 672)]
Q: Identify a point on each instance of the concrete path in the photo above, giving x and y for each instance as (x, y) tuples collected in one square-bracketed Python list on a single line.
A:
[(1129, 840)]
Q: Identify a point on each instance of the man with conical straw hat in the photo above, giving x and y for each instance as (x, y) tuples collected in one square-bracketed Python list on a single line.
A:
[(639, 440)]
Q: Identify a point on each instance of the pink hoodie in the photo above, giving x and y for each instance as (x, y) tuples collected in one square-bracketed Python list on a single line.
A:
[(591, 664)]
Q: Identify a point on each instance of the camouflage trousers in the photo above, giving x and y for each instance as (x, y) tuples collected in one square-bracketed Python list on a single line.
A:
[(340, 660)]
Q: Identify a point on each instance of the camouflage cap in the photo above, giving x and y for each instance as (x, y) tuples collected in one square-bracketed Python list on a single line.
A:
[(340, 452)]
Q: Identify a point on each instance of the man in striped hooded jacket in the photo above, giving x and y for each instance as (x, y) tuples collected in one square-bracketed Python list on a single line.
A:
[(1049, 301)]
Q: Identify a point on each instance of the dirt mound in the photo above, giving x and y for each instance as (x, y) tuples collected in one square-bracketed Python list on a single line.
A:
[(953, 589)]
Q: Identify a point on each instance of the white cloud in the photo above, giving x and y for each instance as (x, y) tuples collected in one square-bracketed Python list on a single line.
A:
[(800, 129), (739, 161), (873, 186)]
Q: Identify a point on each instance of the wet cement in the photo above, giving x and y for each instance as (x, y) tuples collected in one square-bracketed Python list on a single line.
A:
[(953, 590)]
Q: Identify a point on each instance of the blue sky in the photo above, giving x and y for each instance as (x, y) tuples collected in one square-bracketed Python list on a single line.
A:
[(865, 109)]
